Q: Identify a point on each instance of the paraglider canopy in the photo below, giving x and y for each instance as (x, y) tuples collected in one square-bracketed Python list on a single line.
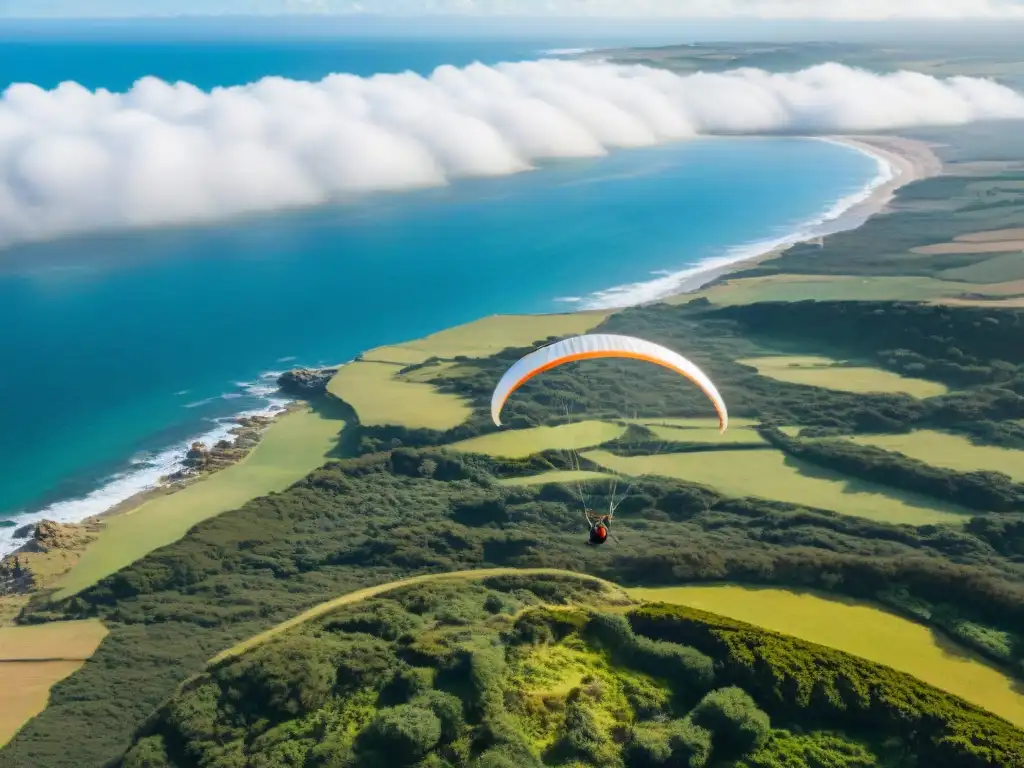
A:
[(598, 345)]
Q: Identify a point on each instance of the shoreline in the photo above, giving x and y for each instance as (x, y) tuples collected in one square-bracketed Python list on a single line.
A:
[(900, 160), (164, 472)]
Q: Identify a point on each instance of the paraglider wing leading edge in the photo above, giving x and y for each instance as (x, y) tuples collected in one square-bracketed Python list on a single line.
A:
[(597, 345)]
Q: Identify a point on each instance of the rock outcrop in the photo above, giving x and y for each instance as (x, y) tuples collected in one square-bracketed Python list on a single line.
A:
[(306, 382), (201, 459), (15, 576), (50, 551)]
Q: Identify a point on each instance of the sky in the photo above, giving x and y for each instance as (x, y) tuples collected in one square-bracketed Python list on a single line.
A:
[(721, 9)]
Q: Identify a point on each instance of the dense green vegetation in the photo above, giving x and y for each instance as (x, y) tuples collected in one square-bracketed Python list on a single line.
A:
[(487, 675), (371, 520), (399, 511)]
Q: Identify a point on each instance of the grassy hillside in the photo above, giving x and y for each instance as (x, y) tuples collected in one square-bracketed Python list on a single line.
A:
[(546, 671)]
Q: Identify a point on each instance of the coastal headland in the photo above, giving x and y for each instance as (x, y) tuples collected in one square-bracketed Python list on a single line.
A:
[(820, 346)]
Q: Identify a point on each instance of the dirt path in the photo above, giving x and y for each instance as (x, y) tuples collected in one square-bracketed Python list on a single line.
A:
[(365, 594)]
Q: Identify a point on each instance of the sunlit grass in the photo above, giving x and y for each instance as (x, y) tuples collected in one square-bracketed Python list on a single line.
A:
[(518, 443), (380, 398), (862, 630), (770, 474), (827, 373), (943, 449)]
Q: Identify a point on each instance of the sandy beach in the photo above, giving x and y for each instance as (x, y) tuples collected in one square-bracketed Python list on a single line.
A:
[(909, 160)]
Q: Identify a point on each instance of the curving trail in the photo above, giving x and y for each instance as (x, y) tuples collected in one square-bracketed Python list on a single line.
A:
[(365, 594)]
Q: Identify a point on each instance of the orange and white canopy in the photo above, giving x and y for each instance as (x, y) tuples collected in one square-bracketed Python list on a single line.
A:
[(596, 345)]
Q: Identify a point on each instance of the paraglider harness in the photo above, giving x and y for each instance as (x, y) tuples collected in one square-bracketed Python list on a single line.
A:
[(599, 528)]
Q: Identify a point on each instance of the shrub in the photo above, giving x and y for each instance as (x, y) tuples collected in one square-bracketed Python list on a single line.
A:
[(404, 733), (736, 722), (691, 745), (647, 748), (447, 708), (148, 753)]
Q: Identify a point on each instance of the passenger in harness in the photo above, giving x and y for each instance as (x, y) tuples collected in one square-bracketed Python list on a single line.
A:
[(599, 528)]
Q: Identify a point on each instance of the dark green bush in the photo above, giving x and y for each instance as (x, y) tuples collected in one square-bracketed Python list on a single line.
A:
[(447, 708), (149, 752), (647, 747), (691, 744), (405, 734), (736, 723)]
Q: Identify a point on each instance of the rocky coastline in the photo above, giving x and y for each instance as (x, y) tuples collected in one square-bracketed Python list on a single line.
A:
[(51, 548)]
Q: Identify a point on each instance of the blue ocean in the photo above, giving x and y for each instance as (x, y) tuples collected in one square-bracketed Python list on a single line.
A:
[(120, 348)]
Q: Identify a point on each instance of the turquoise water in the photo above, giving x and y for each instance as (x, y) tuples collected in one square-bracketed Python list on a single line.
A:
[(119, 347)]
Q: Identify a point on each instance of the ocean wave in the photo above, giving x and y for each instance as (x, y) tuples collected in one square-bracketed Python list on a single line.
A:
[(834, 219), (566, 51), (199, 403), (143, 474)]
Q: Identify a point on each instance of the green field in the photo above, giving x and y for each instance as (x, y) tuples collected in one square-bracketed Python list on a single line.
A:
[(824, 372), (704, 431), (487, 336), (772, 475), (861, 630), (380, 398), (293, 446), (519, 443), (557, 477), (998, 269), (944, 449)]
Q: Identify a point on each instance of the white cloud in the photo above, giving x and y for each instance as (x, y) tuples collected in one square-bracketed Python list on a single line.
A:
[(72, 160)]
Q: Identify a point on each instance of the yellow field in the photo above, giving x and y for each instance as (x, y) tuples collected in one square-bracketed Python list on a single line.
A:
[(487, 336), (827, 373), (26, 691), (862, 630), (770, 474), (64, 640), (293, 446), (35, 658), (519, 443), (557, 477), (380, 398), (992, 235), (989, 246), (997, 303), (943, 449)]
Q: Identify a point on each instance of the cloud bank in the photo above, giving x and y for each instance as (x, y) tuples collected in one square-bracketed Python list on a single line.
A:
[(74, 161)]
